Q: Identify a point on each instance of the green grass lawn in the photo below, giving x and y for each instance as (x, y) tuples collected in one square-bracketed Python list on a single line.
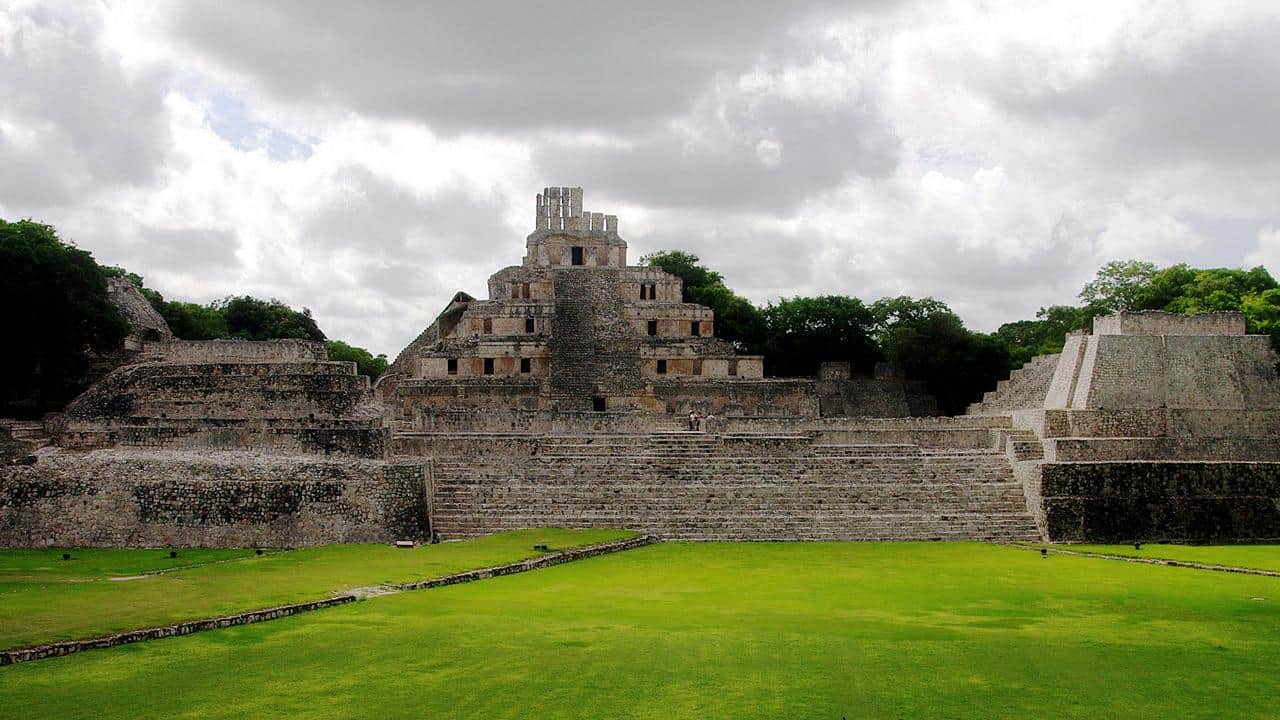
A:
[(791, 630), (44, 598), (1260, 557), (47, 565)]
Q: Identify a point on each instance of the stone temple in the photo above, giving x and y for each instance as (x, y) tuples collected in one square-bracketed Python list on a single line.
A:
[(561, 401)]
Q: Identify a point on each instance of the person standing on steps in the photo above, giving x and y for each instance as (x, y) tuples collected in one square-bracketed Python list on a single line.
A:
[(693, 421)]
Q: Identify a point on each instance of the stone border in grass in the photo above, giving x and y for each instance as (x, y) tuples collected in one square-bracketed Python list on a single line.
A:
[(1153, 561), (67, 647)]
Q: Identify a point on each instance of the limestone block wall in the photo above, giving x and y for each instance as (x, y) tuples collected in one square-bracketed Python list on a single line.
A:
[(515, 419), (711, 396), (1164, 323), (119, 498), (1161, 501), (229, 350)]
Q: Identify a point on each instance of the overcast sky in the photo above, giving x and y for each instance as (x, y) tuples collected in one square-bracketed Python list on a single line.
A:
[(367, 162)]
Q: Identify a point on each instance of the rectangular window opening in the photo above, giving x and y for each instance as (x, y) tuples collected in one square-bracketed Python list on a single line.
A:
[(575, 255), (695, 328), (653, 327), (597, 404), (662, 367), (453, 366), (488, 366), (528, 325), (526, 366)]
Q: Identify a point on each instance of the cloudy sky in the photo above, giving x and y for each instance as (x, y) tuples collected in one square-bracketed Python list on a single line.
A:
[(366, 162)]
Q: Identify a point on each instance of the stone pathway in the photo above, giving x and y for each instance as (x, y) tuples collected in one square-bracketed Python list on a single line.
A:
[(1150, 561)]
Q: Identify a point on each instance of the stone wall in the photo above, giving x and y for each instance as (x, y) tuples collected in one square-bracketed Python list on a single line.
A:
[(1161, 501), (121, 498), (228, 350), (1155, 322)]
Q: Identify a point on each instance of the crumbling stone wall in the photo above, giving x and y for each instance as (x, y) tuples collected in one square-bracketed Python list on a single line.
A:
[(158, 498), (228, 350), (145, 324)]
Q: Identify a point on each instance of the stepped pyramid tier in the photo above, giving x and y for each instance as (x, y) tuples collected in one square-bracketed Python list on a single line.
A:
[(226, 443), (575, 329), (1154, 426)]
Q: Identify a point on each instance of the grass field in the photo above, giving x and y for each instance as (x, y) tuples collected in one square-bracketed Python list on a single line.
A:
[(44, 598), (1260, 557), (800, 630)]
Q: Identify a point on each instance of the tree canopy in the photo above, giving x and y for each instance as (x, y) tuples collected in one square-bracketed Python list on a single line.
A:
[(56, 316)]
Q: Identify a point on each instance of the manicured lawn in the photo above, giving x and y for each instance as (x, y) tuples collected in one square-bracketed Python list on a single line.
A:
[(858, 630), (44, 598), (47, 565), (1261, 557)]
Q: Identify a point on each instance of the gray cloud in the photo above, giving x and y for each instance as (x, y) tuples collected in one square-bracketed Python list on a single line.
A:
[(482, 66), (83, 122), (863, 148)]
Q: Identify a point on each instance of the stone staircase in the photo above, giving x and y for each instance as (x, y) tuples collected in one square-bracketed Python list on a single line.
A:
[(1026, 387), (700, 486), (591, 342)]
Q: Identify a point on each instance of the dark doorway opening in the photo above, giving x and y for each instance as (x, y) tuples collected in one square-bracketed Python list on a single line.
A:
[(597, 404), (576, 255), (488, 366), (653, 327)]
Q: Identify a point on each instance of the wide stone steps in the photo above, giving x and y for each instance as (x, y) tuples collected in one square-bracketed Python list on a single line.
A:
[(1025, 387)]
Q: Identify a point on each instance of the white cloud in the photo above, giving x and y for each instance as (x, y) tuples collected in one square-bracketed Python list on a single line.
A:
[(366, 162), (1267, 252)]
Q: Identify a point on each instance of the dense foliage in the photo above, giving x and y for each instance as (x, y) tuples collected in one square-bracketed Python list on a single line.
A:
[(56, 317), (928, 342), (366, 363), (61, 328), (1135, 285)]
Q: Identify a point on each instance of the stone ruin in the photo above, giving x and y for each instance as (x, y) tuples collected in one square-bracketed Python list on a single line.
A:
[(561, 400)]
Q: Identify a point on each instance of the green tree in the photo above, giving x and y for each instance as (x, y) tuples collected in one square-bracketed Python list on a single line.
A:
[(191, 321), (1220, 289), (1045, 335), (1119, 285), (956, 364), (366, 362), (56, 316), (803, 332), (889, 313), (685, 266), (738, 321), (253, 319)]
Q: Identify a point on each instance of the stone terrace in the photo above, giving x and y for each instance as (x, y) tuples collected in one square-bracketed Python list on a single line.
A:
[(734, 485)]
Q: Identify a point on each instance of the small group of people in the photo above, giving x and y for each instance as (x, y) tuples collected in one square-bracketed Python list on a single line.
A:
[(698, 421)]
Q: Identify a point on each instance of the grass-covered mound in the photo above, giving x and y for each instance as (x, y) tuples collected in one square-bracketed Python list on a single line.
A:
[(44, 598), (724, 631)]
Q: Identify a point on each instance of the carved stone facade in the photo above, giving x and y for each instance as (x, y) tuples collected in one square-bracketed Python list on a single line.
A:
[(574, 328)]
